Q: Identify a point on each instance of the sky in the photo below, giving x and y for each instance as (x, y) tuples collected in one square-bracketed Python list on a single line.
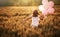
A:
[(23, 2)]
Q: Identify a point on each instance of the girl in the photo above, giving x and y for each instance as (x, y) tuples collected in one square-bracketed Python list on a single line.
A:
[(35, 19)]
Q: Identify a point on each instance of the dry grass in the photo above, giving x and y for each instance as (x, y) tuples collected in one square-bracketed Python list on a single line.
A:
[(11, 24)]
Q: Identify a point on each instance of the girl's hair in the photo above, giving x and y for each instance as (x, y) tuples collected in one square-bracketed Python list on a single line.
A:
[(35, 13)]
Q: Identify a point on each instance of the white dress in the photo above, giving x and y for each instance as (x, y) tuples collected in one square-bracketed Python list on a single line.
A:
[(35, 21)]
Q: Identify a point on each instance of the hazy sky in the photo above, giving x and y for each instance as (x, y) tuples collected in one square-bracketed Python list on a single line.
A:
[(23, 2)]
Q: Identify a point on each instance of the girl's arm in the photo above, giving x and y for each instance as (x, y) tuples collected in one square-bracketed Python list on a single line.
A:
[(27, 18), (41, 17)]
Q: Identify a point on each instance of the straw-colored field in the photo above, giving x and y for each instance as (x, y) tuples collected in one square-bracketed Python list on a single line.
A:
[(12, 24)]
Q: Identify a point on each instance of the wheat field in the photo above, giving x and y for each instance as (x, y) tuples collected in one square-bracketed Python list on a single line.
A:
[(12, 24)]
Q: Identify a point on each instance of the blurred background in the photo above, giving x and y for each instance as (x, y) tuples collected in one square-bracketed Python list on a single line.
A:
[(24, 2)]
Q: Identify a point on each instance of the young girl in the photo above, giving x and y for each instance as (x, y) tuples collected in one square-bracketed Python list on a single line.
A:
[(35, 19)]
